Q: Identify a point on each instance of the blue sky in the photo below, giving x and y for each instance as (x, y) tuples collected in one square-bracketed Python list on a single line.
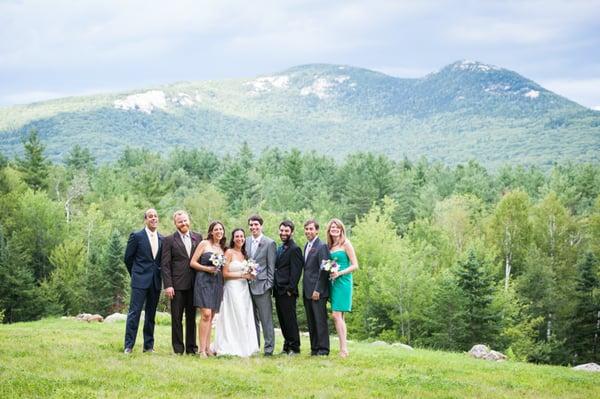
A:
[(51, 49)]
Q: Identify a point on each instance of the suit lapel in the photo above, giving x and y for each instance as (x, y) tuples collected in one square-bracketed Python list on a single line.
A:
[(146, 241), (313, 249), (177, 239)]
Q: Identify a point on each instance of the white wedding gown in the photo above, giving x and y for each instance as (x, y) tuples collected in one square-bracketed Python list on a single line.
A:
[(235, 328)]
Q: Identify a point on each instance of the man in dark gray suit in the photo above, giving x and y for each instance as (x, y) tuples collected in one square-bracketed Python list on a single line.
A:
[(142, 258), (263, 250), (178, 279), (316, 289)]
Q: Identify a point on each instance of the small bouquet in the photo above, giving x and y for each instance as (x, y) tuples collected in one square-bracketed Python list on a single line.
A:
[(329, 265), (217, 260), (250, 266)]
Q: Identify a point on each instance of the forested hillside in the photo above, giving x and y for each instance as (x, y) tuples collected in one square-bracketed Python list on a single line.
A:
[(449, 255), (467, 110)]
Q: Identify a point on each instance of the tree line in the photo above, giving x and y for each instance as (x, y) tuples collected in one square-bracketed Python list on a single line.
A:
[(449, 256)]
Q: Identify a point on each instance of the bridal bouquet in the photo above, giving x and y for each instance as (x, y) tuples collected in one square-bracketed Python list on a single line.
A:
[(217, 260), (329, 265), (250, 266)]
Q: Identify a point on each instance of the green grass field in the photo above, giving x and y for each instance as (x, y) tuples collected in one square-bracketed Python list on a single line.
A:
[(68, 358)]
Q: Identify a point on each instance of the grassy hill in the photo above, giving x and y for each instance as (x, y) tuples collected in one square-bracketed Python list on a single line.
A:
[(467, 110), (66, 358)]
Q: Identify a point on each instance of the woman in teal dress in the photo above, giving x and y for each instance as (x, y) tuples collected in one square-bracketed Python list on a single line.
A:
[(340, 294)]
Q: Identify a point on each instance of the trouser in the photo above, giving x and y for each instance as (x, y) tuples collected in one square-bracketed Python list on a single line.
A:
[(183, 302), (139, 296), (286, 313), (318, 330)]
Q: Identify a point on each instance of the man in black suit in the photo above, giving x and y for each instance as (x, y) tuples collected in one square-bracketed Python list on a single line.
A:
[(178, 280), (288, 267), (316, 289), (142, 258)]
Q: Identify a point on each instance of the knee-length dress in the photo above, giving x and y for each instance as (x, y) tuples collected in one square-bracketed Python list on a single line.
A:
[(341, 288), (208, 287)]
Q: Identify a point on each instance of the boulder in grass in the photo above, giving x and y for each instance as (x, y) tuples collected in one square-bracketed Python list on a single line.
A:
[(89, 317), (379, 343), (483, 352), (403, 346), (115, 317), (593, 367)]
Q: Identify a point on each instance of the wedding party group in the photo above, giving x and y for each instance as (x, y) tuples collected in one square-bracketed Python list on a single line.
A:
[(233, 285)]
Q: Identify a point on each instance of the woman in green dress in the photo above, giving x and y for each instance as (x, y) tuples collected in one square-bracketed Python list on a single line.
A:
[(340, 294)]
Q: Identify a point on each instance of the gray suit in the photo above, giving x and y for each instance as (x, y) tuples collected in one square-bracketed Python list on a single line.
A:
[(261, 288)]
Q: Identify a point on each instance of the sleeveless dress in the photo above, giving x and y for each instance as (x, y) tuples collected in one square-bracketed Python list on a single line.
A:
[(341, 288), (208, 287), (235, 329)]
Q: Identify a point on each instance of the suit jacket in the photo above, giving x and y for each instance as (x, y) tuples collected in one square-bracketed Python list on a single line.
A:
[(175, 262), (265, 257), (314, 279), (142, 267), (288, 268)]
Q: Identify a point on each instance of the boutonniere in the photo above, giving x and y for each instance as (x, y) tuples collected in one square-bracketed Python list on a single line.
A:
[(193, 237)]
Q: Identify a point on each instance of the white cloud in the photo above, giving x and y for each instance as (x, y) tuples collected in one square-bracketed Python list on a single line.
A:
[(583, 91)]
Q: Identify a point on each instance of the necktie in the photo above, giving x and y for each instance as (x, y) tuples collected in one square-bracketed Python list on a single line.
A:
[(308, 247), (154, 244), (188, 244), (254, 247)]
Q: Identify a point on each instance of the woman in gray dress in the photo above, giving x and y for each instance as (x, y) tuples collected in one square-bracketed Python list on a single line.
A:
[(208, 288)]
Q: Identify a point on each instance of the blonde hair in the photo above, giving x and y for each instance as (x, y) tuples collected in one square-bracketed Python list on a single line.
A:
[(342, 228)]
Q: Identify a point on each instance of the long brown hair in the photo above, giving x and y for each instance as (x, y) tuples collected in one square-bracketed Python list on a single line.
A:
[(232, 244), (223, 241), (342, 228)]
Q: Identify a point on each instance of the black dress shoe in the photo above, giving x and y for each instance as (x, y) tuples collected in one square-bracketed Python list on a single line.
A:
[(267, 354), (128, 351)]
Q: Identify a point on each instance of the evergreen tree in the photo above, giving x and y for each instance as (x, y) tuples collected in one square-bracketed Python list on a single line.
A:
[(115, 273), (35, 165), (237, 186), (80, 159), (19, 296), (445, 319), (584, 336), (477, 288)]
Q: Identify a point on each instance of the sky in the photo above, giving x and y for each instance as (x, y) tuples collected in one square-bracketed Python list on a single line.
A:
[(58, 48)]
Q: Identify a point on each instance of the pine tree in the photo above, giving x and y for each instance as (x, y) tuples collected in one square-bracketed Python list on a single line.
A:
[(477, 288), (34, 165), (19, 297), (445, 319), (115, 273), (584, 334), (80, 159)]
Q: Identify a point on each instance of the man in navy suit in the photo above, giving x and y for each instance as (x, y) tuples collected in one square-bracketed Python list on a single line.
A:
[(142, 258)]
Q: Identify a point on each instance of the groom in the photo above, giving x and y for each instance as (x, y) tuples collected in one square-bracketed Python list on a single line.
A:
[(262, 250)]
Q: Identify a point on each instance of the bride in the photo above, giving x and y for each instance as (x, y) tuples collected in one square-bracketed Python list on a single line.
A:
[(235, 328)]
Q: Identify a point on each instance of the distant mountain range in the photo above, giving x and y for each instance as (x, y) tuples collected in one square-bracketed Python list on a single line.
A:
[(467, 110)]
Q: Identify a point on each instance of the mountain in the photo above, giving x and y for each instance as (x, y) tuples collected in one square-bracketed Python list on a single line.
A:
[(467, 110)]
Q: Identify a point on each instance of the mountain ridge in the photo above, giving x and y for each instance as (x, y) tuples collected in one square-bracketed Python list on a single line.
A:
[(474, 110)]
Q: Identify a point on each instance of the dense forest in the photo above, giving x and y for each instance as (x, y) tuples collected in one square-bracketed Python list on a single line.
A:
[(449, 256)]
